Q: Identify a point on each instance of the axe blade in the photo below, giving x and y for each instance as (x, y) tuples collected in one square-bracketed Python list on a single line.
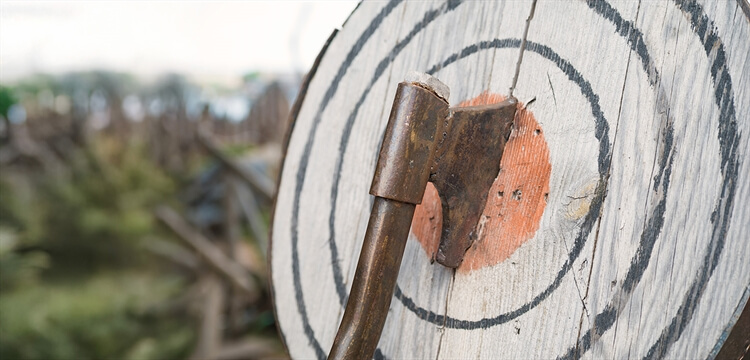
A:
[(467, 162)]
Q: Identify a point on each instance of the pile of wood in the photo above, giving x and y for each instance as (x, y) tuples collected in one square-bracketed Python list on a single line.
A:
[(224, 201), (226, 205)]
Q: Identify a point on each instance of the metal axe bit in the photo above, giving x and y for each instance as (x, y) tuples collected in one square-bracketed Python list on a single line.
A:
[(459, 151)]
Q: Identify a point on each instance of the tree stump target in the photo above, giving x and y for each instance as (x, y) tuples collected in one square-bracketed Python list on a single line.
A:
[(619, 225)]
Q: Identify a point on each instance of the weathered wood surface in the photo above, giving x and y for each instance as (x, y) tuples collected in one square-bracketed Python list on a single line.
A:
[(642, 245)]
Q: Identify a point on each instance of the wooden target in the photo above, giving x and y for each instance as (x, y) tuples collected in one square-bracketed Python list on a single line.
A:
[(619, 224)]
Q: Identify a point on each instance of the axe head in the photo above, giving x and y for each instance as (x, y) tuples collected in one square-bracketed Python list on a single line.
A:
[(457, 149), (467, 161)]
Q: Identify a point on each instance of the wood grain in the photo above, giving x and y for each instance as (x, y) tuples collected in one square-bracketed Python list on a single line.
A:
[(642, 247)]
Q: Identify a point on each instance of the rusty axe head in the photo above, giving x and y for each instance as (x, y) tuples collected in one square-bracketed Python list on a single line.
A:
[(458, 149)]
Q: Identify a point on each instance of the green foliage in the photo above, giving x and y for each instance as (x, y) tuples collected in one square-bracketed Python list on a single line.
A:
[(69, 249), (7, 99), (17, 267), (248, 77), (234, 150), (11, 210), (109, 316), (99, 218)]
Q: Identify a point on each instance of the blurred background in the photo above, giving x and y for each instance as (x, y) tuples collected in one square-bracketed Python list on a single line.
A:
[(140, 144)]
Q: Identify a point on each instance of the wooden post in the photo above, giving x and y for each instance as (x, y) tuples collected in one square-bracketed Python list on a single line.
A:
[(251, 209), (257, 180), (618, 225), (231, 224), (209, 252), (212, 322)]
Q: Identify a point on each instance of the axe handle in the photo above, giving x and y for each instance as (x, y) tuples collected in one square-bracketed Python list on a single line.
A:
[(374, 280), (406, 155)]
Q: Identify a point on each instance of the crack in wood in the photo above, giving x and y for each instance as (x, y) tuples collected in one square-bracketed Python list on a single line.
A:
[(445, 318), (552, 88), (606, 185), (521, 50)]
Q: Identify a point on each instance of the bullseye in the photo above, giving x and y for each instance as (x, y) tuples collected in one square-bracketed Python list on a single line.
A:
[(516, 200)]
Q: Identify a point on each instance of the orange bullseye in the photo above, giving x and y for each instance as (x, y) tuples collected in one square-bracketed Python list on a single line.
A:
[(516, 200)]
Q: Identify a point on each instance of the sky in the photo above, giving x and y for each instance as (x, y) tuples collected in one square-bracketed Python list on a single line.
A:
[(216, 40)]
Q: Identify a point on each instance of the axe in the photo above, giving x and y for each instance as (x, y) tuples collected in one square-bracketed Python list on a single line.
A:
[(458, 149)]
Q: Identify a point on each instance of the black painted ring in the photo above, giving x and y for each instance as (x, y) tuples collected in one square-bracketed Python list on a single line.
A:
[(728, 138), (601, 133)]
